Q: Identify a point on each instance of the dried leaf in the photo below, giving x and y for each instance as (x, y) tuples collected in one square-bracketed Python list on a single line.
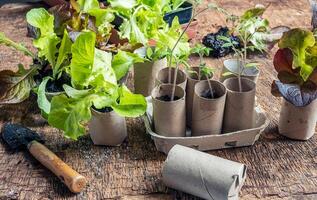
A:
[(16, 87)]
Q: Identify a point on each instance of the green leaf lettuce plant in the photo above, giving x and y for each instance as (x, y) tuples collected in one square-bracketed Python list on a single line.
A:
[(87, 76)]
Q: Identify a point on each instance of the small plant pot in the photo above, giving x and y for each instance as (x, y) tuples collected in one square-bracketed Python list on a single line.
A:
[(145, 74), (239, 109), (107, 128), (232, 65), (203, 175), (208, 112), (169, 117), (184, 13), (162, 77), (192, 79), (298, 122)]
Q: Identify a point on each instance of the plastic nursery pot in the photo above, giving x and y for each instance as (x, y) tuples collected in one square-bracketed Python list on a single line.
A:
[(107, 128), (207, 111), (145, 74), (202, 174), (239, 108), (231, 65), (184, 13), (162, 77), (298, 122), (169, 117), (192, 79)]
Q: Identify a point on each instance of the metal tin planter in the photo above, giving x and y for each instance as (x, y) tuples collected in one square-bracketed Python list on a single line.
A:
[(145, 74), (107, 128), (232, 65), (169, 117), (239, 105), (208, 113), (298, 122), (192, 79)]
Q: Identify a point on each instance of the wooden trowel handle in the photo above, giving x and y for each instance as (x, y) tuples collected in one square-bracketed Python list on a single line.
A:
[(74, 181)]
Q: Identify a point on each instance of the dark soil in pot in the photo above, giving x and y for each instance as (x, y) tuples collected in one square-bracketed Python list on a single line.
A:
[(103, 110), (167, 98), (210, 94)]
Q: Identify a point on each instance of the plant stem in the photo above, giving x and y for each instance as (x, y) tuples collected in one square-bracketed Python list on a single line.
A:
[(210, 88), (180, 37), (174, 84)]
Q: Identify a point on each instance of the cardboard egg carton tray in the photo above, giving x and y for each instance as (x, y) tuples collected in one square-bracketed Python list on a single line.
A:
[(208, 142)]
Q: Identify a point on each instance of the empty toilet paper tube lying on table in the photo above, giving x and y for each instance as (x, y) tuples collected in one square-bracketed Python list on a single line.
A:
[(202, 174)]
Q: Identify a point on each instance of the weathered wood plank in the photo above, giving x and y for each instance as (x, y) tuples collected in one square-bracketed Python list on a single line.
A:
[(278, 168)]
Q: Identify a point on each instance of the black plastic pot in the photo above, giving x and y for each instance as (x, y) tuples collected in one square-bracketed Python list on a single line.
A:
[(184, 13)]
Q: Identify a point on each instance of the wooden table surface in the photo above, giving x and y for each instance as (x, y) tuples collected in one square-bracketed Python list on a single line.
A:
[(278, 168)]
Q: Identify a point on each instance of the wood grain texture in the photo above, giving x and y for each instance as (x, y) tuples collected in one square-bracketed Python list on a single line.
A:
[(278, 168)]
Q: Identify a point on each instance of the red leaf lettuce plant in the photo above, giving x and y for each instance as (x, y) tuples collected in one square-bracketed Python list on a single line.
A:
[(295, 63)]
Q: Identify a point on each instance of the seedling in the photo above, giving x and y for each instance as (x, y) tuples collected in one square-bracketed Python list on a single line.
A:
[(203, 69), (250, 28), (180, 56)]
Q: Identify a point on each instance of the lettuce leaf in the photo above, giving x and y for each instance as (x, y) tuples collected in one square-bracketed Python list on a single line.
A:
[(16, 86), (122, 62), (70, 114), (83, 51), (86, 5), (299, 41), (42, 100), (48, 40), (6, 41), (167, 38), (63, 52), (130, 105)]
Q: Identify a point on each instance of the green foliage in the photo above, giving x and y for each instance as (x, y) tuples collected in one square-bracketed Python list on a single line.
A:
[(302, 44), (48, 40), (6, 41), (204, 70), (94, 76), (122, 62), (42, 100)]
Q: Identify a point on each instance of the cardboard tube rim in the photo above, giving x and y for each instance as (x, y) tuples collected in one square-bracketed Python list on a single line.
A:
[(225, 64), (184, 76), (167, 85), (253, 85), (194, 79), (223, 87), (101, 113)]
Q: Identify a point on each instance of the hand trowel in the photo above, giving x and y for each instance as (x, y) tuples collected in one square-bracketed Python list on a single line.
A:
[(17, 137)]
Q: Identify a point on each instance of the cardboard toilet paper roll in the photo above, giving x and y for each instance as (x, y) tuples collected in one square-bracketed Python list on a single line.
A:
[(145, 75), (202, 174), (169, 117), (192, 79), (207, 114), (107, 128), (162, 77)]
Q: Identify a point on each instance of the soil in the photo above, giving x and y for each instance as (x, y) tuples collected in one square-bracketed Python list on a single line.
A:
[(103, 110), (210, 94), (167, 98)]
